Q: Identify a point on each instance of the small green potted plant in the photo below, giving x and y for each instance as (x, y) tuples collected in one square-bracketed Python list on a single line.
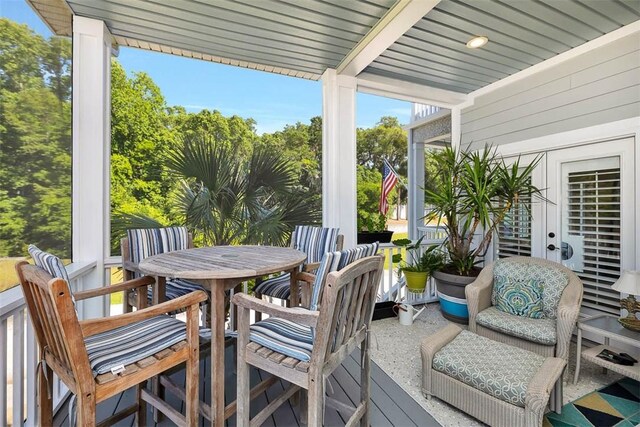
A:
[(372, 227), (417, 268)]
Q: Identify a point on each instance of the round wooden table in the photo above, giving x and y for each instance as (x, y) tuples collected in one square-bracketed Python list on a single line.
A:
[(218, 269)]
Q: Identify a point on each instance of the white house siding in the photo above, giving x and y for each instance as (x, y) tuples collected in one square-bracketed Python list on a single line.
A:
[(600, 86)]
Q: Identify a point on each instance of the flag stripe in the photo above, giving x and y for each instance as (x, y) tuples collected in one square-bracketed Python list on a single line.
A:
[(389, 180)]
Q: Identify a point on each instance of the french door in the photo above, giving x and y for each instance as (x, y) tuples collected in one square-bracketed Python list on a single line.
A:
[(590, 224), (587, 222)]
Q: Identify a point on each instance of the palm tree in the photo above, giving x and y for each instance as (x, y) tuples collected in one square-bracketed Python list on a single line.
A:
[(224, 199)]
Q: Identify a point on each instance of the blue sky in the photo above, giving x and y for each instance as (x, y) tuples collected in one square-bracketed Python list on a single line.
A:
[(272, 100)]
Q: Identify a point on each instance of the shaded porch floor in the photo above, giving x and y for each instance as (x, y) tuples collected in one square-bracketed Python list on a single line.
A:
[(391, 405)]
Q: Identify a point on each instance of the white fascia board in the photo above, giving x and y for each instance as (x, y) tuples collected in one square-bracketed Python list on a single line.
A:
[(423, 121), (407, 91), (403, 15), (618, 34)]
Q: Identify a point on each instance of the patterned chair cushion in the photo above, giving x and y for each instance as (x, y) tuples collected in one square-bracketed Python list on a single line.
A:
[(522, 297), (146, 242), (553, 281), (336, 261), (284, 336), (541, 331), (131, 343), (277, 287), (315, 241), (175, 288), (498, 369), (52, 265)]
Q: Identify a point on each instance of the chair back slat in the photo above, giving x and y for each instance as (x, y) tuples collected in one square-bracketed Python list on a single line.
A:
[(347, 306), (54, 318)]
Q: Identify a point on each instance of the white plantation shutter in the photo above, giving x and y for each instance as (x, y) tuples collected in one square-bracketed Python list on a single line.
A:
[(593, 219), (514, 233)]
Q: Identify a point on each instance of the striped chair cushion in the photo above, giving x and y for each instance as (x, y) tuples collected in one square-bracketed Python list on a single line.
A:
[(131, 343), (146, 242), (175, 288), (315, 241), (335, 261), (277, 287), (52, 265), (284, 336)]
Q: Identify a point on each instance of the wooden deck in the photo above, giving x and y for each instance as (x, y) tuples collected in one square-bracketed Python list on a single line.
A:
[(391, 405)]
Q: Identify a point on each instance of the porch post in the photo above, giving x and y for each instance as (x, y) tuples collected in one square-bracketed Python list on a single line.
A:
[(339, 154), (91, 151), (415, 160)]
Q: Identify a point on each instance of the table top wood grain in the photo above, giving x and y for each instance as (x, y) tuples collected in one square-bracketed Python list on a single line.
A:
[(222, 262)]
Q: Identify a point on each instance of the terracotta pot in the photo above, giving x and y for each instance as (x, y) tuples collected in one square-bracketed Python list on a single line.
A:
[(453, 302), (374, 236)]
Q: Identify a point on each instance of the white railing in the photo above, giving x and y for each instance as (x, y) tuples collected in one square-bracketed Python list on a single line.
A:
[(18, 355), (420, 111), (393, 288)]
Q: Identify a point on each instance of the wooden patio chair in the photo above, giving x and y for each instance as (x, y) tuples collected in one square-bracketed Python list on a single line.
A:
[(99, 358), (303, 346), (315, 242), (142, 243)]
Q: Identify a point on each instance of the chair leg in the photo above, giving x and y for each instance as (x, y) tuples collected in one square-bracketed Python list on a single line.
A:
[(315, 402), (365, 377), (243, 386), (258, 314), (45, 391), (303, 406), (141, 414), (86, 410), (192, 373)]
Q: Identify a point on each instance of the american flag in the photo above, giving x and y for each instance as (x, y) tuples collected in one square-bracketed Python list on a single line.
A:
[(389, 180)]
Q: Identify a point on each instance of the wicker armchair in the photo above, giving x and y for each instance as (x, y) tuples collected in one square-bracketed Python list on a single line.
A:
[(549, 336)]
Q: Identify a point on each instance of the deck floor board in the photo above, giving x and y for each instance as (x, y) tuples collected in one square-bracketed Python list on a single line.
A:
[(391, 405)]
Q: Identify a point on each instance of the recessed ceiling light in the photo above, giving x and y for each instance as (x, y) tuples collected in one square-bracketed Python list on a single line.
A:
[(477, 42)]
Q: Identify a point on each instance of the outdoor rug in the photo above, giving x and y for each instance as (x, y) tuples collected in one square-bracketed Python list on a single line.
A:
[(617, 404)]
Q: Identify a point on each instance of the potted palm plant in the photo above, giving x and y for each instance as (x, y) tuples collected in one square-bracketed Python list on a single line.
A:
[(470, 195), (418, 268)]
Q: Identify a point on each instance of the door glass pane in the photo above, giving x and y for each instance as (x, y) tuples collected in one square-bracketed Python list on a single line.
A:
[(514, 233), (591, 228)]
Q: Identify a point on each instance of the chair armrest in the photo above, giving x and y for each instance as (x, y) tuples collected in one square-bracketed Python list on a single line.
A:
[(106, 290), (306, 277), (568, 312), (478, 295), (95, 326), (312, 266), (298, 315), (430, 346)]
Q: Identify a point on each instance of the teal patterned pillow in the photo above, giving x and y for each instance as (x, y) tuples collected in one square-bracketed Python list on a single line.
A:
[(519, 297)]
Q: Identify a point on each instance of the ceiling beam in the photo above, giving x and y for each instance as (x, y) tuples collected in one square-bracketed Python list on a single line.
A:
[(403, 15), (412, 92)]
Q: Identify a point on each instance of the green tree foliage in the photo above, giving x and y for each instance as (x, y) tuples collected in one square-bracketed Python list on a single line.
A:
[(35, 141)]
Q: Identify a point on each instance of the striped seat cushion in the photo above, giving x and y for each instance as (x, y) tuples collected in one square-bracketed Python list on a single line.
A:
[(315, 241), (277, 287), (52, 265), (146, 242), (175, 288), (284, 336), (131, 343), (335, 261)]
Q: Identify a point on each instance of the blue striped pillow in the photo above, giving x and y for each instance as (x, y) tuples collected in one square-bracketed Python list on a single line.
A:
[(51, 264), (315, 241), (336, 261)]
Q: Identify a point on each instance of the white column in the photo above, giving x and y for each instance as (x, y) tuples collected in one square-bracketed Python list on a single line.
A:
[(456, 128), (415, 160), (339, 154), (91, 150)]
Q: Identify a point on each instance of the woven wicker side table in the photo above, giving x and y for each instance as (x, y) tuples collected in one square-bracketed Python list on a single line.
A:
[(535, 385)]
